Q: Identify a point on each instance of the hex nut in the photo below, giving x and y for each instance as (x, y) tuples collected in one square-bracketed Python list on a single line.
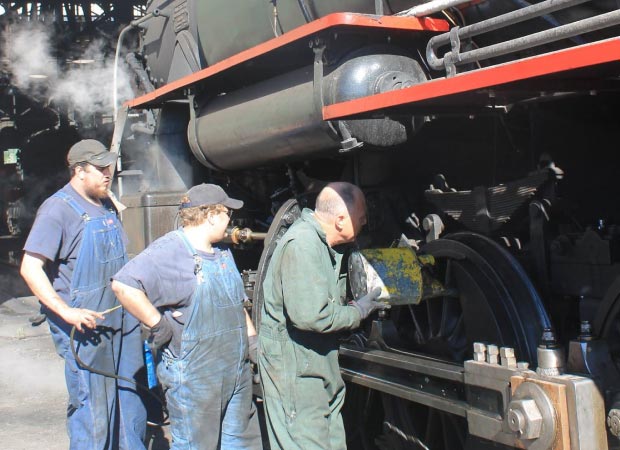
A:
[(479, 347), (479, 357), (507, 352), (613, 422), (524, 418)]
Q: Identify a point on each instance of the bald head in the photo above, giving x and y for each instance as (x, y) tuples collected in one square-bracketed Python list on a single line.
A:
[(341, 209), (336, 198)]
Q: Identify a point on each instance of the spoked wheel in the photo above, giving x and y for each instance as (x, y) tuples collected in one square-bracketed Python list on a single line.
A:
[(496, 303)]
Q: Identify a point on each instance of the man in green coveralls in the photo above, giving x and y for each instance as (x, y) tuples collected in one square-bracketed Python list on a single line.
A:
[(303, 312)]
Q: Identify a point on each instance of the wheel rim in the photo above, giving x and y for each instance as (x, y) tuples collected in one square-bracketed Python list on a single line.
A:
[(284, 218), (607, 321)]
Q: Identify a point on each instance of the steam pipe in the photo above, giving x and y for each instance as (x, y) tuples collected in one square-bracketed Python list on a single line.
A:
[(430, 8), (134, 24), (549, 19), (505, 20), (515, 45)]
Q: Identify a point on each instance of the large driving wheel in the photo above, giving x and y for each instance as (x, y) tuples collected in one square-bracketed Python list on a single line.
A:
[(496, 303), (284, 218)]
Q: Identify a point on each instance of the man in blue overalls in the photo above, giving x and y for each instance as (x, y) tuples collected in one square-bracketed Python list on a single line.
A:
[(189, 293), (75, 246)]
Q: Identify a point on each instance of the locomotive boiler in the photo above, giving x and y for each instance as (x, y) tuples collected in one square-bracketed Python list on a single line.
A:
[(483, 134)]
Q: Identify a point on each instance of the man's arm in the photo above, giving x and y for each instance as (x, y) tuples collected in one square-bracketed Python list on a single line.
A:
[(32, 271), (305, 290), (136, 303), (248, 322)]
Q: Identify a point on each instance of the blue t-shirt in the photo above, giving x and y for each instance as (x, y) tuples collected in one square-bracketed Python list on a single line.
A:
[(57, 234), (164, 271)]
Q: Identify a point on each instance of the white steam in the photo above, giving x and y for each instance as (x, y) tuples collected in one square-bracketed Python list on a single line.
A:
[(85, 83), (29, 55)]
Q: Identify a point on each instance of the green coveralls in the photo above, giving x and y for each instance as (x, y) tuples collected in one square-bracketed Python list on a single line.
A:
[(304, 309)]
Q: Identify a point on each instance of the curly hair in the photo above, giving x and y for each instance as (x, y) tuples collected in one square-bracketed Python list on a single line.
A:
[(194, 216)]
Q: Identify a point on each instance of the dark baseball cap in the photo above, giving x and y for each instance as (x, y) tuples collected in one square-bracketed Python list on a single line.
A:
[(92, 152), (209, 194)]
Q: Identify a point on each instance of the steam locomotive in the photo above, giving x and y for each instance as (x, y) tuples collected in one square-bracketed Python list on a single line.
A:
[(483, 134)]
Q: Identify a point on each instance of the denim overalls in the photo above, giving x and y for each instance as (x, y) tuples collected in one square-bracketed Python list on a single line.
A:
[(209, 385), (103, 413)]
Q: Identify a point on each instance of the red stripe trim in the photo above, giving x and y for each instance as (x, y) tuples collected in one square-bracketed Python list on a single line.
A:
[(560, 61)]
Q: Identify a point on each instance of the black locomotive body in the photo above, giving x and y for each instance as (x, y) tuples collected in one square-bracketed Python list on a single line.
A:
[(483, 134)]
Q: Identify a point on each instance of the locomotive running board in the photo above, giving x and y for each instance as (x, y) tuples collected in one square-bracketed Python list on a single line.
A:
[(570, 69), (283, 47)]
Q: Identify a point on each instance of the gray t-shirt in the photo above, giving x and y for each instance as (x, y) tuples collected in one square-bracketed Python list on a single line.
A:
[(57, 234)]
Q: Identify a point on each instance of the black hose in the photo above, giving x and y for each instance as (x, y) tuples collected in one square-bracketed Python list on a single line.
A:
[(140, 386), (305, 11)]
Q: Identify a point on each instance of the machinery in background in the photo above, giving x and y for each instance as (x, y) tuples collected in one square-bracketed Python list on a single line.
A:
[(484, 135), (36, 125)]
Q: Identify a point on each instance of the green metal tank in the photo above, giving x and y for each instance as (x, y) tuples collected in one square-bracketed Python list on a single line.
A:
[(189, 35)]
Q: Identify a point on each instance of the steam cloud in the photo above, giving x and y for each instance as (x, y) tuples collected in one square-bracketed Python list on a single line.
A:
[(88, 88)]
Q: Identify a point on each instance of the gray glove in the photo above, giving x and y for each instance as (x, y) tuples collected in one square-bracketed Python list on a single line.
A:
[(253, 348), (161, 332), (367, 304)]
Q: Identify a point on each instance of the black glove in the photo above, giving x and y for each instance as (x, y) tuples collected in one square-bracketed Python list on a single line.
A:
[(161, 332), (367, 304), (253, 348)]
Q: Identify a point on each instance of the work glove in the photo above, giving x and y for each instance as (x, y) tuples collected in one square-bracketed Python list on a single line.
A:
[(253, 348), (367, 304), (161, 332)]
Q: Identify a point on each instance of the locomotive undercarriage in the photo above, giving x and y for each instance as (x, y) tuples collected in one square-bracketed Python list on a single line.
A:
[(408, 384)]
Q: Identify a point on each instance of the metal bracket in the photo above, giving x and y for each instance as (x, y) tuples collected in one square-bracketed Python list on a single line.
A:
[(538, 218), (318, 47), (192, 134), (454, 56), (379, 7), (348, 143), (434, 226)]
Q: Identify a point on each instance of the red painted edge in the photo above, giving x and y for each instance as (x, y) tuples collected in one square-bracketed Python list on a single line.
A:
[(559, 61), (324, 23)]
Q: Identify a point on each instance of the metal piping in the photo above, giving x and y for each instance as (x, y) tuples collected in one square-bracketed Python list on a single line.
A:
[(505, 20), (430, 8), (514, 45), (305, 11), (552, 21), (134, 24), (136, 65)]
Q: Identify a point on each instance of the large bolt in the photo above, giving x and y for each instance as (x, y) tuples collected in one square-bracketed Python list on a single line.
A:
[(585, 331), (613, 422), (548, 339), (524, 419), (550, 355)]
